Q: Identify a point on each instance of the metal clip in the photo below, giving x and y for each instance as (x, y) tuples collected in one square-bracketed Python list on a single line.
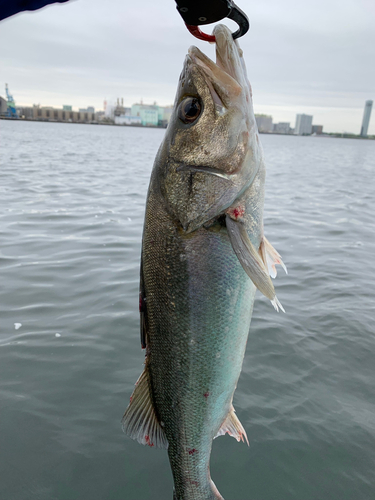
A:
[(200, 12)]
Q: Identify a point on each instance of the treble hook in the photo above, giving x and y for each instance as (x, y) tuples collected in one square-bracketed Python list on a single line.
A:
[(199, 12)]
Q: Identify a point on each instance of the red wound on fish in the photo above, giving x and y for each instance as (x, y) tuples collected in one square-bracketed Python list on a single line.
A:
[(206, 394), (195, 483), (147, 438), (236, 213), (191, 452)]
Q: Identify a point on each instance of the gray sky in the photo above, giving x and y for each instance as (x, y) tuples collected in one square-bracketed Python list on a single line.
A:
[(302, 57)]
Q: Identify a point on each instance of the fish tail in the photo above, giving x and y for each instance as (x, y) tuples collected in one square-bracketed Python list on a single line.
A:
[(212, 494), (191, 470)]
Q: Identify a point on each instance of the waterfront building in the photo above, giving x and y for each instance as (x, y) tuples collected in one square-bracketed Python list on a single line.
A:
[(303, 125), (165, 113), (149, 114), (317, 129), (120, 109), (109, 110), (89, 109), (67, 107), (47, 113), (25, 112), (366, 118), (152, 115), (3, 106), (128, 119), (264, 123), (282, 128)]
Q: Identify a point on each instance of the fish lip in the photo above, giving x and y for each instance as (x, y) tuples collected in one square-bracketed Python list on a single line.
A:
[(204, 169)]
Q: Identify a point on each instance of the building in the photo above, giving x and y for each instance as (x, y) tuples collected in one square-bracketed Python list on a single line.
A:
[(120, 109), (3, 106), (128, 119), (281, 128), (303, 125), (149, 113), (100, 115), (366, 118), (152, 115), (317, 129), (89, 109), (67, 107), (264, 123), (47, 113), (165, 114), (25, 112)]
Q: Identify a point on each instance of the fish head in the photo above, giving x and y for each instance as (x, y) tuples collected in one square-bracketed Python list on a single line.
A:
[(211, 151)]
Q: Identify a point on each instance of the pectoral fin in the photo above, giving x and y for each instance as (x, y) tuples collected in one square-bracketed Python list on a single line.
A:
[(251, 260), (270, 257)]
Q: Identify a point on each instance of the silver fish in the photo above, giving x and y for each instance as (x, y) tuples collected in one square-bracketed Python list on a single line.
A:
[(203, 239)]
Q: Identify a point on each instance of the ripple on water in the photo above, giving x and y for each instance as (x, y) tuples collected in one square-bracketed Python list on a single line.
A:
[(72, 209)]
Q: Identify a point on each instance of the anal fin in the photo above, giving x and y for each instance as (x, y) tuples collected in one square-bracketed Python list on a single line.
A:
[(139, 421), (233, 427)]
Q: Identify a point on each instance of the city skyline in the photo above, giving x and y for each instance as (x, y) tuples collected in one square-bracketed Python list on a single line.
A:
[(298, 61), (275, 116)]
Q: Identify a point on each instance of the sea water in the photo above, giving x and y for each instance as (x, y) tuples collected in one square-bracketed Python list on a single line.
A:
[(72, 201)]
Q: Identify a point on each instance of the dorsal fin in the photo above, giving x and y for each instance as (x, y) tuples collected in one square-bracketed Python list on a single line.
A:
[(139, 421), (233, 427)]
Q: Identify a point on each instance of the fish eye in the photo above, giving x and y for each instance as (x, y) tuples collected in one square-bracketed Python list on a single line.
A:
[(189, 110)]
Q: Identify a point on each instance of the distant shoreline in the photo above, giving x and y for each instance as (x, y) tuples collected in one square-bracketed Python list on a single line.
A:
[(335, 135), (78, 123)]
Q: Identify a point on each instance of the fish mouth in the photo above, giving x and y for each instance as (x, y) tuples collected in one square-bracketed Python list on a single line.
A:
[(229, 56), (227, 77), (207, 170)]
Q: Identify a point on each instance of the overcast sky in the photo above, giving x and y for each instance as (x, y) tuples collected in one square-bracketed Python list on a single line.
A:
[(302, 57)]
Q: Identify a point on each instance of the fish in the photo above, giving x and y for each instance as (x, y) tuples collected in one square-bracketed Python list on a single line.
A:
[(203, 256)]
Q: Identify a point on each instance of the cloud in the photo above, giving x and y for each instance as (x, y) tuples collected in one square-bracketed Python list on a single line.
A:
[(299, 55)]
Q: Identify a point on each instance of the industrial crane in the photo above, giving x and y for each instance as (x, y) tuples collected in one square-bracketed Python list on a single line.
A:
[(11, 106)]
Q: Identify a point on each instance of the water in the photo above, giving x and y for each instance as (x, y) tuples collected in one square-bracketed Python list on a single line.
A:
[(71, 211)]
